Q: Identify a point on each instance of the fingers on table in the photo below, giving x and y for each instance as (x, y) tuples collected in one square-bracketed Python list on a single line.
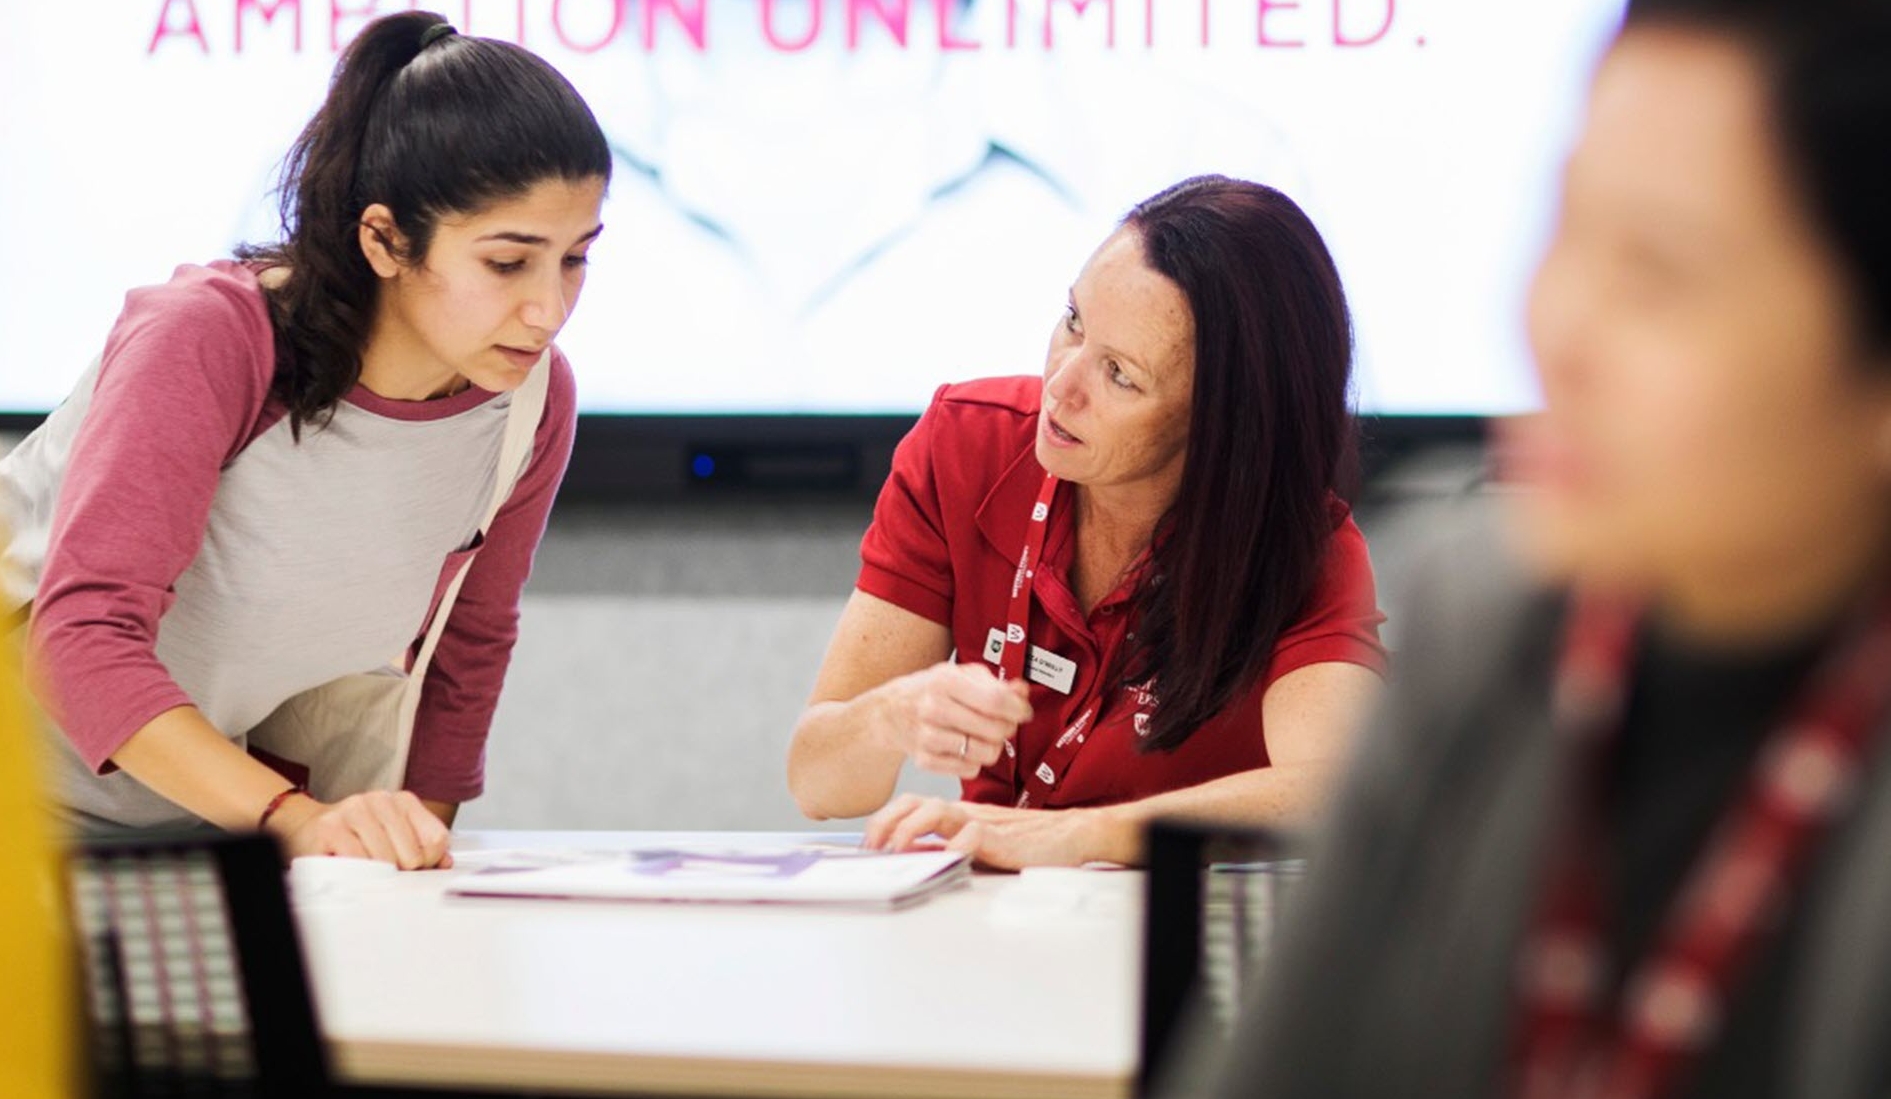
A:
[(933, 816), (909, 818), (393, 827), (880, 825), (389, 833), (970, 839)]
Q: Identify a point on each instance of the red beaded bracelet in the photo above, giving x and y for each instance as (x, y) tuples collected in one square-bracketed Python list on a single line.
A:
[(275, 803)]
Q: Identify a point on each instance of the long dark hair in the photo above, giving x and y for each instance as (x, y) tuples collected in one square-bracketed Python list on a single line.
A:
[(429, 123), (1271, 443), (1828, 68)]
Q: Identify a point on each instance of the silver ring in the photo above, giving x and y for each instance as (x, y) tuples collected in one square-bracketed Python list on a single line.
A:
[(965, 744)]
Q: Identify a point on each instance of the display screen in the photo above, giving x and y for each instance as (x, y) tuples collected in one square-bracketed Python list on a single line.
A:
[(833, 206)]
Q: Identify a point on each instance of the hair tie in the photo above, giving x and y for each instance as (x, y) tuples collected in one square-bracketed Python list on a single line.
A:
[(436, 32)]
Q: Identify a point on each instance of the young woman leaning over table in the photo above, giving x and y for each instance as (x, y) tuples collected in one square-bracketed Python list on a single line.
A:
[(283, 466)]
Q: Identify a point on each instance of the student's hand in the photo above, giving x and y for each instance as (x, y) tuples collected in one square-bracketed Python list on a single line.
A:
[(994, 835), (389, 825), (954, 719)]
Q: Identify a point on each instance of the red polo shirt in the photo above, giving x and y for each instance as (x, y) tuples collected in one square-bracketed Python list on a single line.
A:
[(944, 544)]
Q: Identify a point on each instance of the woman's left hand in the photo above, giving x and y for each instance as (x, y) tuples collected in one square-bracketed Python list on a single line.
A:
[(994, 835)]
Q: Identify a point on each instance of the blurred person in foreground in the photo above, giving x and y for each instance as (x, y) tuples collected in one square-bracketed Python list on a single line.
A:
[(1626, 827), (37, 1055)]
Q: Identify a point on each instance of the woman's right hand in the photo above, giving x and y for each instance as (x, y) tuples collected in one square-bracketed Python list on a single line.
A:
[(954, 719), (389, 825)]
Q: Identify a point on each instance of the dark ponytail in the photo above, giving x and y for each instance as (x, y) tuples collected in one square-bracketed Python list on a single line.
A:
[(428, 123)]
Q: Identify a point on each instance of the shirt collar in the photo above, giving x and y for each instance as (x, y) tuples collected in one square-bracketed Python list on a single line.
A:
[(1004, 516)]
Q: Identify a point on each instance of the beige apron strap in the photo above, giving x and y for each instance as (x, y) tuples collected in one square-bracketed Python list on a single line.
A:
[(522, 420)]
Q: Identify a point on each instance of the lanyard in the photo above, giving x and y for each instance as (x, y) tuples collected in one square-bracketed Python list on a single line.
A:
[(1011, 660), (1015, 654), (1569, 1044), (1034, 787)]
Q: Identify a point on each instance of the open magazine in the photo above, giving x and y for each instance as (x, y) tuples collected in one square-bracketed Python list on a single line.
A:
[(810, 875)]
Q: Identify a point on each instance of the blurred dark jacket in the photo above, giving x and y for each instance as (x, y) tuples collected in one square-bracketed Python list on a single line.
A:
[(1393, 976)]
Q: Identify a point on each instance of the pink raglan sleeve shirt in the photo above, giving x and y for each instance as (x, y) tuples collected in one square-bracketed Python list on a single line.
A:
[(183, 388), (184, 378)]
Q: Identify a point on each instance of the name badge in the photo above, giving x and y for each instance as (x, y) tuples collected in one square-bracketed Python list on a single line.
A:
[(1044, 666)]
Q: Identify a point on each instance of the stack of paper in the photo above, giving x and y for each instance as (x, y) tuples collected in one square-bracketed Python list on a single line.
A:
[(815, 875)]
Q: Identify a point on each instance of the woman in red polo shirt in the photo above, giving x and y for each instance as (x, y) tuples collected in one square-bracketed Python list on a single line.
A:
[(1157, 600)]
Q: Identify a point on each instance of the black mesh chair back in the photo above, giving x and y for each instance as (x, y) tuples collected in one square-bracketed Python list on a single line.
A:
[(1214, 898), (193, 974)]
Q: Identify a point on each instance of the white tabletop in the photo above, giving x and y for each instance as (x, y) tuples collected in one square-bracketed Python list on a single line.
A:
[(1023, 986)]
